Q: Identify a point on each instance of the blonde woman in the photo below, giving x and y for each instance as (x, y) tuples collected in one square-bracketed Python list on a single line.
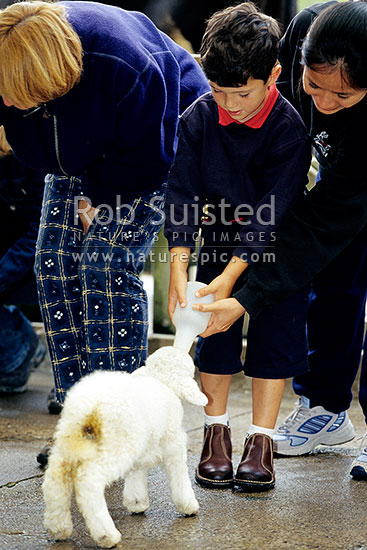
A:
[(91, 95)]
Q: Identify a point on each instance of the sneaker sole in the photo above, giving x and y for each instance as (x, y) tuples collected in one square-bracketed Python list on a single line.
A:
[(309, 446)]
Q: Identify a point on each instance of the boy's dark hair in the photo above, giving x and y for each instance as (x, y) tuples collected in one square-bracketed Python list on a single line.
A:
[(239, 42), (337, 39)]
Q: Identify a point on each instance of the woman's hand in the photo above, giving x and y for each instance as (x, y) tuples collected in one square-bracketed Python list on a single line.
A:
[(220, 287), (86, 214), (224, 314)]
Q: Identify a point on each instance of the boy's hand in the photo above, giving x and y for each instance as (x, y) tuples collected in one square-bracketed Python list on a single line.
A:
[(86, 214), (178, 280), (224, 314), (177, 290)]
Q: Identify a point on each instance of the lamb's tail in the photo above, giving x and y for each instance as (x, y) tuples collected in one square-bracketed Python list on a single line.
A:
[(80, 438)]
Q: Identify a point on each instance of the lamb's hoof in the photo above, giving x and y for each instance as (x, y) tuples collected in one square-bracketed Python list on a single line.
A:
[(136, 507), (60, 526), (189, 508), (61, 533), (110, 540)]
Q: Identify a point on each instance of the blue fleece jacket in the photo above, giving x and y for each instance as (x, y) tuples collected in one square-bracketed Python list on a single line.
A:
[(117, 127)]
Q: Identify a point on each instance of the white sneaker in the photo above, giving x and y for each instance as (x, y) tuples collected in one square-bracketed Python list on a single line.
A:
[(305, 428), (359, 464)]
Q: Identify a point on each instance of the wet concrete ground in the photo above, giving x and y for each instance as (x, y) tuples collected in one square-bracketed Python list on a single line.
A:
[(315, 504)]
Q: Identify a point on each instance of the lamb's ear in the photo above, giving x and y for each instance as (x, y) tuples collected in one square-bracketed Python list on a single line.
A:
[(191, 392)]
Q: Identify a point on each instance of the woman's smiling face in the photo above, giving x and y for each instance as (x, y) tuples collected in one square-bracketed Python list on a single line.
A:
[(329, 91)]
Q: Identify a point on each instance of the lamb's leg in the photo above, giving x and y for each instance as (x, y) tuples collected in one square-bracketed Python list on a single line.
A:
[(89, 493), (174, 461), (135, 495), (57, 489)]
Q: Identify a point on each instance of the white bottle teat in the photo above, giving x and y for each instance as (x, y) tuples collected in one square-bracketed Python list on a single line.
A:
[(189, 322)]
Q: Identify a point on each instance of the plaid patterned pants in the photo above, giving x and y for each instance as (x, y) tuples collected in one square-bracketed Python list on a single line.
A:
[(92, 300)]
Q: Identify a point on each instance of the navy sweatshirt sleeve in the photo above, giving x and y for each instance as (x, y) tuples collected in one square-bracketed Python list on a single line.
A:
[(312, 234), (285, 177)]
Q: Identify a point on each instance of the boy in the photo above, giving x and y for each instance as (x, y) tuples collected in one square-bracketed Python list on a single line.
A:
[(243, 150)]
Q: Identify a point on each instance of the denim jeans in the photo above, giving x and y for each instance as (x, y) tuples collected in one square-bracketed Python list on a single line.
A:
[(18, 343), (92, 300)]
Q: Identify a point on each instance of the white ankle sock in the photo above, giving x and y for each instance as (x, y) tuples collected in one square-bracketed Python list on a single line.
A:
[(260, 430), (222, 419)]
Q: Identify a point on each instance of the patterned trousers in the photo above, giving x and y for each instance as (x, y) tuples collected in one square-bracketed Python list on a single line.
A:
[(92, 300)]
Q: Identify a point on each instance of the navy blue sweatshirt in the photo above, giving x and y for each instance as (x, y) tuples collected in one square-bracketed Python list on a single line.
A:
[(117, 127), (240, 165), (325, 220)]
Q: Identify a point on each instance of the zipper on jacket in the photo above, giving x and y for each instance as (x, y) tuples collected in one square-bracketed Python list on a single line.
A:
[(46, 114), (57, 150)]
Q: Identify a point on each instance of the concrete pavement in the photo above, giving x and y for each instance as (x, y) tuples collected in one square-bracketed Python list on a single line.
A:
[(315, 504)]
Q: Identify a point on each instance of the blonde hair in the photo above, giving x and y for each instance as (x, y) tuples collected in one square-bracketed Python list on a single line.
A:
[(40, 53), (5, 148)]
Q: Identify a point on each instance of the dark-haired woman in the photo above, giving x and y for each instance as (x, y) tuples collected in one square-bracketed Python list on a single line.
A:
[(324, 238)]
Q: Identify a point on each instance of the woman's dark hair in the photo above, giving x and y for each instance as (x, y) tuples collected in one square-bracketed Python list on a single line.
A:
[(338, 39), (239, 42)]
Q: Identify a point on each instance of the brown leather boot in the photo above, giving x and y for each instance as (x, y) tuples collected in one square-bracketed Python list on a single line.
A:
[(256, 469), (215, 469)]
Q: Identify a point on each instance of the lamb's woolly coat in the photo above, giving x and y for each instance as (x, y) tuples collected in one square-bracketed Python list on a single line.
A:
[(117, 425)]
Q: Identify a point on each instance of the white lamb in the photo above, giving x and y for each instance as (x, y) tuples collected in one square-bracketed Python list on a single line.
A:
[(117, 425)]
